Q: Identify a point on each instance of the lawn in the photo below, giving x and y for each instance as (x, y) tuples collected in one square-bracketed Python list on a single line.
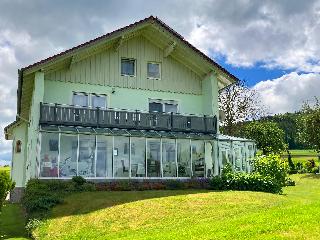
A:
[(189, 214), (12, 222), (302, 155)]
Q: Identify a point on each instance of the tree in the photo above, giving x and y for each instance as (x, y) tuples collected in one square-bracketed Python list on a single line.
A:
[(239, 103), (309, 130), (268, 136)]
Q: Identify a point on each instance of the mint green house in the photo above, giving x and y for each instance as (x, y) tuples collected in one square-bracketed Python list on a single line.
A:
[(140, 102)]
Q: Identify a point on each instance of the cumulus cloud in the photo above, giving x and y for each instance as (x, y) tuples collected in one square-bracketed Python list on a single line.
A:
[(276, 34), (287, 93)]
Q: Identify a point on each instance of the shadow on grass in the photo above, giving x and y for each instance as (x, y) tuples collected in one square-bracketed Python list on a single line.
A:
[(86, 202), (12, 222), (311, 176)]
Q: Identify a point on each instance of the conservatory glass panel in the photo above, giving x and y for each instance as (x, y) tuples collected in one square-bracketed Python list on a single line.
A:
[(138, 156), (198, 161), (121, 156), (237, 157), (153, 158), (169, 166), (104, 156), (68, 155), (225, 157), (183, 158), (87, 147), (49, 154)]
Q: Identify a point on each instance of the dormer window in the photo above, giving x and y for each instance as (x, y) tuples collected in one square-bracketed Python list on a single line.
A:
[(154, 70), (128, 67)]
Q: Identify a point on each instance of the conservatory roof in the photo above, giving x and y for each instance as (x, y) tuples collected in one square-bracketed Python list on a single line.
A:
[(125, 132)]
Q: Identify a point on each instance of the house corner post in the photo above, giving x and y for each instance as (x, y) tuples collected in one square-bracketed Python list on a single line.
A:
[(32, 162)]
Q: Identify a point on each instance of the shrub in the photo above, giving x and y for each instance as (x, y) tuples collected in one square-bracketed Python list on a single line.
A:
[(315, 170), (6, 185), (78, 180), (31, 225), (174, 184), (290, 182), (271, 166), (309, 165)]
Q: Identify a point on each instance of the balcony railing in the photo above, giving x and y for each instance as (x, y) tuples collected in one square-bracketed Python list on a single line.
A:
[(69, 115)]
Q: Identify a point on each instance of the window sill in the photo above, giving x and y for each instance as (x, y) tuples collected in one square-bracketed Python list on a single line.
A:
[(152, 78), (124, 75)]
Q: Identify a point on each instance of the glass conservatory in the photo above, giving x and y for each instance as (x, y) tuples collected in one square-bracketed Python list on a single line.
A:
[(104, 153), (239, 152)]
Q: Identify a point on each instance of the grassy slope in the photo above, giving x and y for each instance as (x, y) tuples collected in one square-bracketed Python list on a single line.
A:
[(189, 215), (12, 222)]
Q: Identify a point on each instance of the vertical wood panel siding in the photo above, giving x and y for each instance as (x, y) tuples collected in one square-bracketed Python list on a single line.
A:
[(104, 69)]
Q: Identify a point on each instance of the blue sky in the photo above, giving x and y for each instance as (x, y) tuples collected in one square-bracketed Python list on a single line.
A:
[(273, 45), (253, 74)]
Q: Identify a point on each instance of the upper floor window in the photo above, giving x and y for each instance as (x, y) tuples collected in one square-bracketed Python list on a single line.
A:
[(89, 100), (168, 106), (80, 99), (128, 67), (154, 70)]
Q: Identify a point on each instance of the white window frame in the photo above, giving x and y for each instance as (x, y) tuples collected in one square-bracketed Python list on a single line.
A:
[(163, 102), (135, 67), (159, 78), (89, 95)]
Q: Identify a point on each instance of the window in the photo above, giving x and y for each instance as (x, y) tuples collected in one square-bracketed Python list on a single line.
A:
[(168, 106), (198, 161), (121, 156), (104, 156), (155, 107), (49, 155), (87, 146), (98, 101), (138, 156), (183, 158), (89, 100), (153, 70), (169, 166), (80, 99), (18, 146), (68, 155), (128, 67), (153, 158)]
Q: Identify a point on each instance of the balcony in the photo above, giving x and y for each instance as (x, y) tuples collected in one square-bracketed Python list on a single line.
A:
[(68, 115)]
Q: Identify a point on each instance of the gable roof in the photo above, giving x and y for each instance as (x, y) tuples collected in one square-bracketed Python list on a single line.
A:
[(150, 19)]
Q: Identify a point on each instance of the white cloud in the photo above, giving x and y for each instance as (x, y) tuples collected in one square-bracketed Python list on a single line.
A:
[(287, 93)]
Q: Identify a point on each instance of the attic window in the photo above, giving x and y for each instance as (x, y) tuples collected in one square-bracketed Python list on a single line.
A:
[(154, 70), (128, 67), (18, 146)]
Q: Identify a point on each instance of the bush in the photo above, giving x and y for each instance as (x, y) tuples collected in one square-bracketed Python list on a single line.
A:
[(290, 182), (245, 182), (270, 175), (272, 166), (6, 185), (174, 184), (309, 165), (31, 225), (78, 180)]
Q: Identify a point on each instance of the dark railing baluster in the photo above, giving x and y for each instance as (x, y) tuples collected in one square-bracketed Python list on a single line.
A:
[(55, 113)]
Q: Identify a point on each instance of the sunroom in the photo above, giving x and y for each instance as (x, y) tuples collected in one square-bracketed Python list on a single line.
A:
[(104, 153)]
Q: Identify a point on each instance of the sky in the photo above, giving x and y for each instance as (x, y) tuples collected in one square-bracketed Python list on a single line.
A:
[(273, 45)]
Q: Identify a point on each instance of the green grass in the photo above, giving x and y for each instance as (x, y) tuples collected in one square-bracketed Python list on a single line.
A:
[(12, 222), (302, 156), (189, 214)]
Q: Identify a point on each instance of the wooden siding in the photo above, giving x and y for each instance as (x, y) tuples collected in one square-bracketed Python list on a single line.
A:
[(104, 69)]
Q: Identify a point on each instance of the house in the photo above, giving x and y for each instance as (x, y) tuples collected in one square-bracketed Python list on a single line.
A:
[(139, 102)]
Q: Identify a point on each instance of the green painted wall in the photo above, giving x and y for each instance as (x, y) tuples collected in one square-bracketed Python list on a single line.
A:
[(132, 99), (104, 69), (18, 159)]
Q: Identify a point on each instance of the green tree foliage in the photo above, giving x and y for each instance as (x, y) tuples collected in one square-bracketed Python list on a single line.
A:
[(268, 136), (6, 185), (289, 123), (310, 125)]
